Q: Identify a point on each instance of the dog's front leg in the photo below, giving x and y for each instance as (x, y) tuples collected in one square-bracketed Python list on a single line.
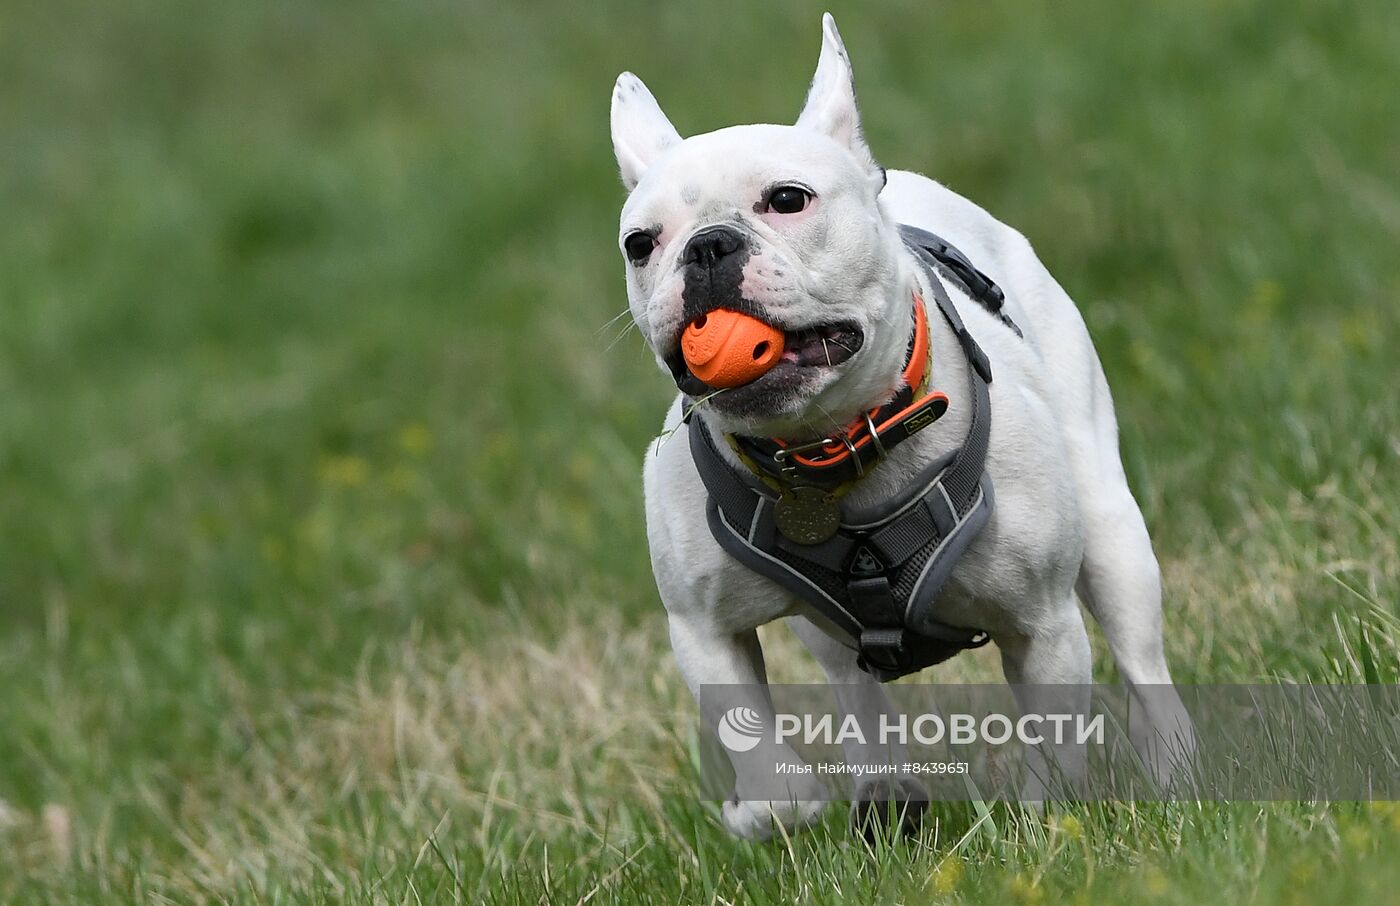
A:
[(709, 656), (883, 798)]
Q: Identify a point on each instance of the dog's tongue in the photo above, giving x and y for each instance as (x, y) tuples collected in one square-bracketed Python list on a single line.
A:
[(726, 348)]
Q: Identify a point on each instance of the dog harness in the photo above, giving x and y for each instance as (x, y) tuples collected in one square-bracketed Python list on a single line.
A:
[(873, 572)]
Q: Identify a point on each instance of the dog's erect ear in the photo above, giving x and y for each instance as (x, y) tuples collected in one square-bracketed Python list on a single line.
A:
[(640, 131), (831, 101)]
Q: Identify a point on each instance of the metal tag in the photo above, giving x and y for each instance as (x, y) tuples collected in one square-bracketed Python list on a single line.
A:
[(807, 515)]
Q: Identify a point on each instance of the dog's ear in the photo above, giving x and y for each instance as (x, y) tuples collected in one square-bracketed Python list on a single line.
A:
[(831, 101), (640, 131)]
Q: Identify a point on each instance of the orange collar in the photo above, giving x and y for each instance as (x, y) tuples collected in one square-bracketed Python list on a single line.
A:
[(844, 457)]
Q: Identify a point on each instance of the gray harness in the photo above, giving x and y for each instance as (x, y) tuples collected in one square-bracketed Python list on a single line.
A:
[(878, 577)]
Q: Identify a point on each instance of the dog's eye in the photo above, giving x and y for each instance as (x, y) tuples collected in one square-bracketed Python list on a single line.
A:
[(788, 200), (639, 246)]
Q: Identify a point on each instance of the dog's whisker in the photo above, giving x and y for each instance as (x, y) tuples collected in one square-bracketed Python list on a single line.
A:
[(837, 428), (628, 328), (613, 320), (829, 417)]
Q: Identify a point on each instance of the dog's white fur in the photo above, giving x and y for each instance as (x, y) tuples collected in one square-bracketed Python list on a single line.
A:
[(1065, 520)]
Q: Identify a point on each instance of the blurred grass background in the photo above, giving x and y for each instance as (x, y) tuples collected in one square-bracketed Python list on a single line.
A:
[(322, 568)]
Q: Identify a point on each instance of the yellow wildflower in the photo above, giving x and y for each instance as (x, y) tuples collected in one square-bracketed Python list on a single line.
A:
[(415, 438), (1026, 890), (348, 471), (1070, 827), (1154, 882), (946, 876)]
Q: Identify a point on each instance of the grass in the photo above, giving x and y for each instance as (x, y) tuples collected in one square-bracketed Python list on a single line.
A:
[(322, 568)]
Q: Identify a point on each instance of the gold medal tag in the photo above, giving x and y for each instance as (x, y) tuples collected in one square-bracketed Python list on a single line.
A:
[(807, 515)]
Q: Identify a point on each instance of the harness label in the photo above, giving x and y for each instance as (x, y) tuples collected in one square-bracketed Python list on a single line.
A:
[(865, 563), (920, 420)]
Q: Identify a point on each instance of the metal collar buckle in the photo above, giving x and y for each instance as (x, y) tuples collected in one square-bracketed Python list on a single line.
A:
[(781, 456)]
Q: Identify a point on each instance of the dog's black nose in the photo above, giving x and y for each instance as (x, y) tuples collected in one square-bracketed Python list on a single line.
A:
[(712, 244)]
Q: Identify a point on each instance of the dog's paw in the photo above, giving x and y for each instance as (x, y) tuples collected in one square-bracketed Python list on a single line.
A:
[(888, 807), (759, 819)]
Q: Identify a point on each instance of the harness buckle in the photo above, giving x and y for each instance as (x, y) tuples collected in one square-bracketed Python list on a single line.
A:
[(883, 648)]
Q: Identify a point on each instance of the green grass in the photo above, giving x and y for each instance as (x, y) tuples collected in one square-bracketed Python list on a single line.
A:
[(322, 568)]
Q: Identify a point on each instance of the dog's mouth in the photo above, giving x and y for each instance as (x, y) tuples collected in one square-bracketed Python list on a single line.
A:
[(825, 345), (819, 346)]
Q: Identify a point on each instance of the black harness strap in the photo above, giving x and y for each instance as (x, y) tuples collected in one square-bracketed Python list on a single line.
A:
[(878, 577), (953, 263)]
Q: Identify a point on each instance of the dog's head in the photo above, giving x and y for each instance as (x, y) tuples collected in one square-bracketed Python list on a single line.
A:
[(779, 222)]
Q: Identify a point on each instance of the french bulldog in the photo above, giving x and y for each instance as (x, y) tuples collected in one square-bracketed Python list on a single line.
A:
[(798, 225)]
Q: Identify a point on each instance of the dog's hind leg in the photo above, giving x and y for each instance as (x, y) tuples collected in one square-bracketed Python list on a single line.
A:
[(887, 801), (1120, 584), (1050, 670)]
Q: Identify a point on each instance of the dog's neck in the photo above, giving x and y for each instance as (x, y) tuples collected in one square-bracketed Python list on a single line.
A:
[(949, 373)]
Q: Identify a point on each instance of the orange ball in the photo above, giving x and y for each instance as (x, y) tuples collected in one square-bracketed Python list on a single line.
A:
[(727, 349)]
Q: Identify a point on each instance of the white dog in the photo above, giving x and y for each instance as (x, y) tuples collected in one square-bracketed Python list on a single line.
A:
[(798, 226)]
